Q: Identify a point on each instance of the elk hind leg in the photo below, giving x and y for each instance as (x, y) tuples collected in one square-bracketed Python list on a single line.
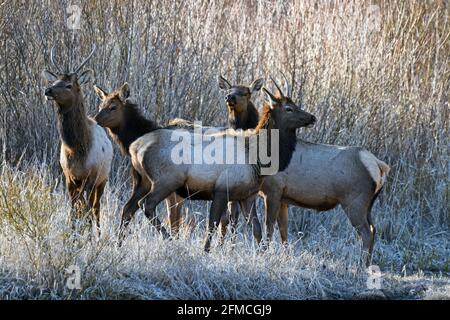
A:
[(283, 225), (359, 215), (248, 207), (218, 206), (160, 190)]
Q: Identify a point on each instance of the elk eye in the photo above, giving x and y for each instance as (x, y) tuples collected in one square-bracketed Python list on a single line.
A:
[(289, 109), (69, 86), (113, 107)]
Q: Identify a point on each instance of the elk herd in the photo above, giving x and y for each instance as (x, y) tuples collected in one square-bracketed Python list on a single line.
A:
[(309, 175)]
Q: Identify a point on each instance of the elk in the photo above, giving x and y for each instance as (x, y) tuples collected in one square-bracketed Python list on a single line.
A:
[(159, 176), (242, 114), (125, 123), (321, 176), (86, 152)]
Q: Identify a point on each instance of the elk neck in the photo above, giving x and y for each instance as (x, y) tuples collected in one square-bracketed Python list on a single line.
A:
[(245, 120), (73, 127), (134, 125), (286, 143)]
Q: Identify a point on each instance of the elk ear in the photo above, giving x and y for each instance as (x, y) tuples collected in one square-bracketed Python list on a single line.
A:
[(85, 77), (124, 91), (100, 92), (224, 84), (49, 76), (256, 85)]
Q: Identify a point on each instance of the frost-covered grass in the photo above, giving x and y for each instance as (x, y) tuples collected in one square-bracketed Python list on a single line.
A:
[(374, 73), (37, 245)]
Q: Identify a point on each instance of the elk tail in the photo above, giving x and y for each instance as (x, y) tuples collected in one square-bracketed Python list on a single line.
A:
[(384, 170)]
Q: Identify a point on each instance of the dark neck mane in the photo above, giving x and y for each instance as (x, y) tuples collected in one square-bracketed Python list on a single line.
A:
[(73, 127), (134, 125), (287, 138), (245, 120)]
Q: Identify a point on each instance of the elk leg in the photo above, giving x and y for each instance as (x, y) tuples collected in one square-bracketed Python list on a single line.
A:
[(140, 189), (224, 221), (359, 215), (249, 208), (158, 193), (77, 200), (174, 209), (283, 222), (96, 204), (272, 205), (231, 214), (218, 206), (234, 218), (372, 238), (90, 195)]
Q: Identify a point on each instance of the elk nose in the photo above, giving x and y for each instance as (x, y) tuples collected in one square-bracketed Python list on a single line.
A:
[(48, 91), (313, 119), (230, 98)]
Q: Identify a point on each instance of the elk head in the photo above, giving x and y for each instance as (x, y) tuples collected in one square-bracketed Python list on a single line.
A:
[(284, 112), (64, 87), (112, 107), (237, 97)]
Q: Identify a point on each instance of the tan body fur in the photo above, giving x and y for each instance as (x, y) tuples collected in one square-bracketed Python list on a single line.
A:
[(157, 176), (321, 177)]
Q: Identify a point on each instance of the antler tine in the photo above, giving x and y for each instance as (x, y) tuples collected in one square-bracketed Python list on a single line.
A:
[(86, 60), (52, 60), (286, 85), (276, 85), (272, 97)]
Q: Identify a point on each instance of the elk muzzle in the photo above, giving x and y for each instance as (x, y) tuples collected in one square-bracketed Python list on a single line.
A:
[(312, 122), (98, 118), (230, 99), (49, 94)]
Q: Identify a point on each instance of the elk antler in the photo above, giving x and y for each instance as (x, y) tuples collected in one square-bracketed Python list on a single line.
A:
[(225, 80), (286, 85), (271, 96), (276, 85), (52, 55), (85, 60)]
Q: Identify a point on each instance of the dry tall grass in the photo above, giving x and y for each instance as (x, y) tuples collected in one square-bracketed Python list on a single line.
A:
[(376, 74)]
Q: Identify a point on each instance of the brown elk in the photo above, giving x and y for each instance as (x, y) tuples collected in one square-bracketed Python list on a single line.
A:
[(125, 124), (86, 152), (242, 114), (321, 176), (159, 176)]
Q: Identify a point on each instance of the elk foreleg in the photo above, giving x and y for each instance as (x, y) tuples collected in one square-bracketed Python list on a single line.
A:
[(140, 189), (174, 207)]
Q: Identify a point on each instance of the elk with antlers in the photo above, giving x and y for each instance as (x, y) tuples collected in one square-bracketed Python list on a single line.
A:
[(321, 176), (159, 176), (86, 151)]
